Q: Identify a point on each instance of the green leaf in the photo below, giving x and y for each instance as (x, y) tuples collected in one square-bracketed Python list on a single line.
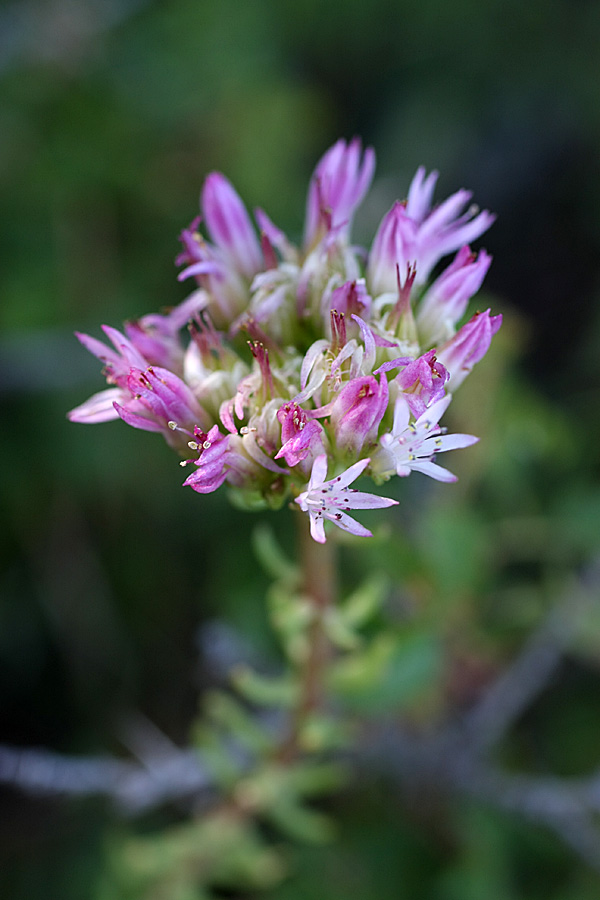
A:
[(392, 672), (272, 558), (275, 691), (226, 711), (366, 600)]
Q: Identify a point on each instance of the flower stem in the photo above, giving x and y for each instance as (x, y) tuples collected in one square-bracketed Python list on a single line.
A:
[(318, 564)]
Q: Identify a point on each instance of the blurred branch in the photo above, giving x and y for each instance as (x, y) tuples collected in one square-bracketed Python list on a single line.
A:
[(529, 674), (133, 787)]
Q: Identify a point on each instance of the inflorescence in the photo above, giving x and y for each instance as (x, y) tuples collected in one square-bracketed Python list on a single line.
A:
[(304, 360)]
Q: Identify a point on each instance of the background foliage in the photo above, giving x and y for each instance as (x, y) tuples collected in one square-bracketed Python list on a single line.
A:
[(113, 581)]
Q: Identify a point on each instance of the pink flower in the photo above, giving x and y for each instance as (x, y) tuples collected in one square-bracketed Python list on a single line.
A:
[(338, 185), (445, 302), (443, 229), (350, 299), (225, 294), (422, 380), (299, 436), (329, 499), (212, 463), (229, 225), (357, 411), (160, 401), (468, 346), (117, 365), (393, 250)]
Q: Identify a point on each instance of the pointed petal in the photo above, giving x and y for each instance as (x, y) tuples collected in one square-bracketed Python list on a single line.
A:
[(364, 500), (319, 471), (347, 523), (317, 527), (350, 475), (433, 413), (99, 407), (434, 471), (137, 421), (454, 441)]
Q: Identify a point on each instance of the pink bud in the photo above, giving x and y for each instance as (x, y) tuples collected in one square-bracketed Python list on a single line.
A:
[(468, 346), (229, 224), (338, 185), (357, 411), (393, 250)]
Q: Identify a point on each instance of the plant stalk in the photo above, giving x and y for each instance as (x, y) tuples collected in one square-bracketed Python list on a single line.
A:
[(318, 563)]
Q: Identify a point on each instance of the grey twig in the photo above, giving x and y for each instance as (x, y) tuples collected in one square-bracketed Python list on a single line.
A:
[(134, 788), (532, 670)]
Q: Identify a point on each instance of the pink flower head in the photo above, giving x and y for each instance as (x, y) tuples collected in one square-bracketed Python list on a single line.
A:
[(338, 186), (229, 224), (445, 302), (393, 250), (330, 499), (468, 346), (412, 447), (357, 411), (299, 435), (280, 373)]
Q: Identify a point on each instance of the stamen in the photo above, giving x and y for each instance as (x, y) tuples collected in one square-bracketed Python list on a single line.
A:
[(175, 427), (206, 337), (261, 355), (403, 303), (338, 331)]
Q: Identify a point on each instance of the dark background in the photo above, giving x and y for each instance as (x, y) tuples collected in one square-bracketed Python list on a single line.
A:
[(111, 115)]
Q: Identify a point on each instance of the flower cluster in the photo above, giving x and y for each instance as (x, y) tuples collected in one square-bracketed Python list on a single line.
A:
[(304, 360)]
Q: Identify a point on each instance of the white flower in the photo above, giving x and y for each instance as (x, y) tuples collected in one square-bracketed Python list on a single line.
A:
[(412, 447), (329, 499)]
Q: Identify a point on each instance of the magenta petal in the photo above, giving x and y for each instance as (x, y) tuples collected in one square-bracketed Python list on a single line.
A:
[(229, 224), (135, 420)]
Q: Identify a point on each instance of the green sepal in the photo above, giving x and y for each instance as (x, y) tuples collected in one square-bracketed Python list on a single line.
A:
[(249, 500)]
